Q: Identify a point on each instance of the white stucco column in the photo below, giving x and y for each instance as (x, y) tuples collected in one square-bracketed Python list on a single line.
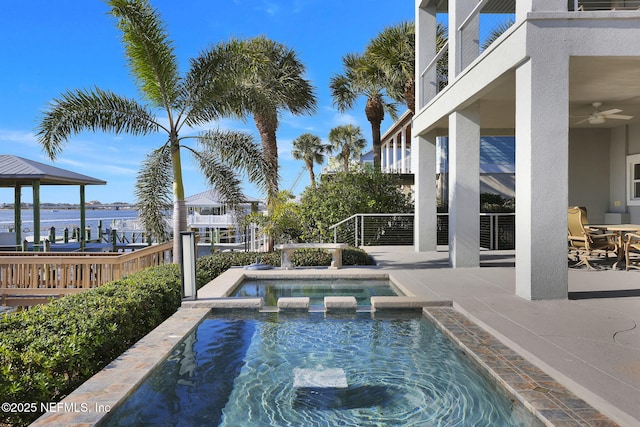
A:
[(423, 165), (394, 161), (426, 46), (464, 187), (542, 159), (403, 150), (385, 166)]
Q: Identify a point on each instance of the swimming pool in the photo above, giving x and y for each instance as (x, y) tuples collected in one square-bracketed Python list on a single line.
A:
[(273, 369), (316, 289)]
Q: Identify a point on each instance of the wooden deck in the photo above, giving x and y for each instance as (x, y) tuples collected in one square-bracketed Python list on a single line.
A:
[(28, 278)]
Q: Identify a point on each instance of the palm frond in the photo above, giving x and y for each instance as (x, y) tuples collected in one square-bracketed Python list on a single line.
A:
[(91, 110), (153, 192), (213, 86), (392, 51), (272, 78), (344, 96), (239, 151), (308, 147), (150, 53)]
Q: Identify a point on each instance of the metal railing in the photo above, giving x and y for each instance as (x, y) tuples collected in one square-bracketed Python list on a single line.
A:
[(375, 230), (595, 5), (497, 230), (433, 78)]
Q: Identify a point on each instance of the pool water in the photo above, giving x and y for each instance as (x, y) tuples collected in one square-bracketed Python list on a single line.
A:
[(312, 370), (316, 289)]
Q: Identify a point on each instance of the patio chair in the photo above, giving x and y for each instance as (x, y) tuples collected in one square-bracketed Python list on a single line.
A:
[(632, 251), (586, 244)]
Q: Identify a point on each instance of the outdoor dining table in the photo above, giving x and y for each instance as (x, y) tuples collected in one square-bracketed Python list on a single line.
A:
[(620, 230)]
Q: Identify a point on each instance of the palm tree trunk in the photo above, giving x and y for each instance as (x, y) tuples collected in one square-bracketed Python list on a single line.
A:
[(179, 207), (410, 95), (374, 111), (346, 156), (377, 144), (267, 123), (312, 176)]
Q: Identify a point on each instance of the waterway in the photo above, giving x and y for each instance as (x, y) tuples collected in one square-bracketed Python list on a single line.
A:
[(64, 218)]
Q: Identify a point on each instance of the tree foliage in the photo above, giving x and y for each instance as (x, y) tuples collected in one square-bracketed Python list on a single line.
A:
[(348, 142), (310, 149), (339, 196)]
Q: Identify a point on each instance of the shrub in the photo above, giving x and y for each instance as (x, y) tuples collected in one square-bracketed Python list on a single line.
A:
[(344, 194), (211, 266), (49, 350), (311, 257)]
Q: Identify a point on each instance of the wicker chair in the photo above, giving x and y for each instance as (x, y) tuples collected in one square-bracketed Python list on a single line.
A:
[(586, 244), (632, 251)]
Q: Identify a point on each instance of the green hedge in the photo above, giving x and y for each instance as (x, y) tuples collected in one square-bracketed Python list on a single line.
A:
[(211, 266), (49, 350)]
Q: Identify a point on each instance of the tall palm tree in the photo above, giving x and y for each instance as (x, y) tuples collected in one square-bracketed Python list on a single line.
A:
[(348, 141), (361, 77), (310, 149), (393, 51), (205, 93), (274, 82)]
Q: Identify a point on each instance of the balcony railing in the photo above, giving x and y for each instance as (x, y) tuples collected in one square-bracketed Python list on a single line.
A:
[(434, 77), (497, 230), (600, 5)]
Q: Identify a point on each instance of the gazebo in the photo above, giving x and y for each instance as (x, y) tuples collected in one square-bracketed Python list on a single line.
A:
[(18, 172)]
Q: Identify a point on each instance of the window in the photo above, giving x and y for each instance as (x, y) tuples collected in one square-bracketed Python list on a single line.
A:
[(633, 180)]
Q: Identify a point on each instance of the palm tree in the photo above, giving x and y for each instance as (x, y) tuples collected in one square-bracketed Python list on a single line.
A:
[(393, 51), (348, 140), (363, 78), (204, 94), (273, 83), (310, 149)]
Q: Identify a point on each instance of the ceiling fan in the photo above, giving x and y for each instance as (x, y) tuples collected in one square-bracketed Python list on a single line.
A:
[(599, 117)]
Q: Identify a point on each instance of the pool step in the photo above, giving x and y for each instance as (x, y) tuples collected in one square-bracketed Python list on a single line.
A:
[(293, 303), (341, 303), (331, 304)]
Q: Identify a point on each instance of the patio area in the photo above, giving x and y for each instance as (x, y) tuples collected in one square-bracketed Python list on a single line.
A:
[(590, 343)]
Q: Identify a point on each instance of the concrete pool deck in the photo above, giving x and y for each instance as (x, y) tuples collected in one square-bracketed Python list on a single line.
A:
[(590, 344)]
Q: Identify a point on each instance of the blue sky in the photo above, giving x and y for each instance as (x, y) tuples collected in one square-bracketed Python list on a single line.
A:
[(52, 46)]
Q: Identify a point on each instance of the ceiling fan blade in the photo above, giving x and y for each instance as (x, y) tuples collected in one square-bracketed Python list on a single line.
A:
[(583, 121), (617, 116), (612, 111)]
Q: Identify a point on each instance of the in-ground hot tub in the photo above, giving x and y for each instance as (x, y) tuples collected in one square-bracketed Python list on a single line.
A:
[(270, 289)]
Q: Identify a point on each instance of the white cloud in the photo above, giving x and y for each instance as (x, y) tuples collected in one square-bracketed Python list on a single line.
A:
[(23, 137), (341, 119), (271, 8)]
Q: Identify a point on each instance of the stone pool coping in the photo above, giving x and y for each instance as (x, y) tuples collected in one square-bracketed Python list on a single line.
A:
[(549, 400)]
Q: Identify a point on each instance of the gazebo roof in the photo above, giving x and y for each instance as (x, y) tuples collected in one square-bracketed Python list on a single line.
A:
[(16, 170)]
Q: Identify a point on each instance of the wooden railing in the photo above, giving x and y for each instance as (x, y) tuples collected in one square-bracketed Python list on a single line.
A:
[(28, 277)]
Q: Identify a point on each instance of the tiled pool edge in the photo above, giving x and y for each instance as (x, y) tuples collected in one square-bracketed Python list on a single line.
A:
[(549, 400)]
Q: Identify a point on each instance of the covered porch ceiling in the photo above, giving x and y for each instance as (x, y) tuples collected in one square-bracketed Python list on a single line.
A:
[(613, 81)]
